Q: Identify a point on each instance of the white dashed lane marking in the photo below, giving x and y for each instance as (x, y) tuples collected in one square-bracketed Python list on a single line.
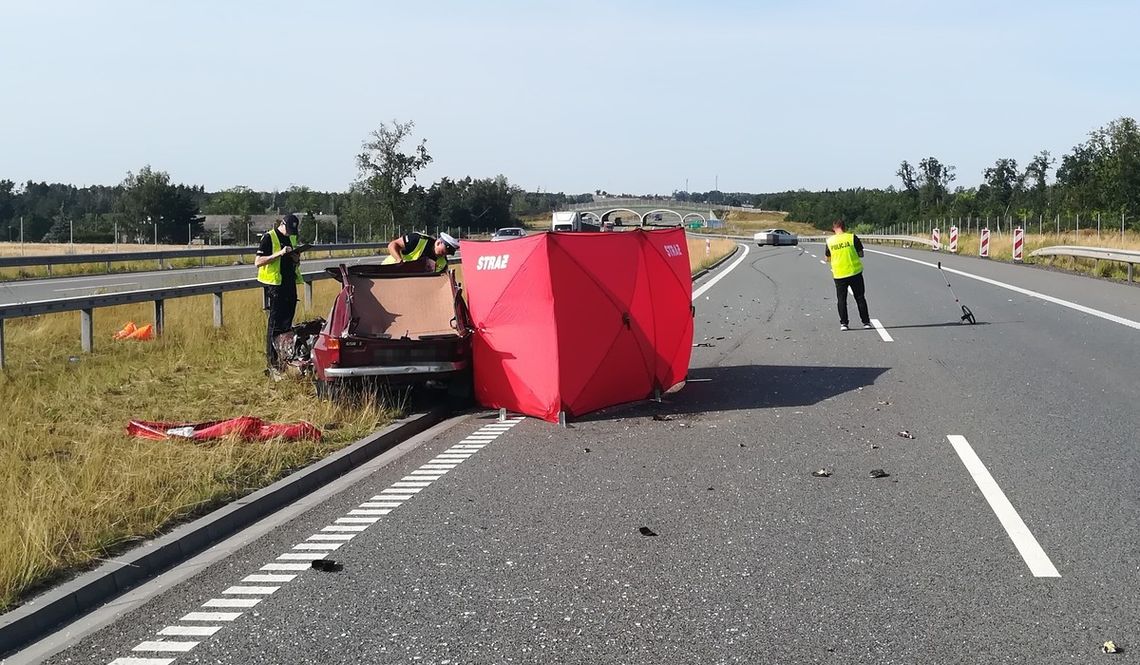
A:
[(289, 565), (1035, 557), (881, 330)]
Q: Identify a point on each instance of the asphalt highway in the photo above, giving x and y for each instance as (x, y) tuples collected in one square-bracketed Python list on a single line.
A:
[(21, 291), (1005, 531)]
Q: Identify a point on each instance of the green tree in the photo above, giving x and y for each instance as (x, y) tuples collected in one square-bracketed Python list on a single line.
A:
[(1004, 184), (385, 169), (150, 199)]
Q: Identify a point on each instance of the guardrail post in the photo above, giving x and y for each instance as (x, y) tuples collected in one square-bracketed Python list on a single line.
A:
[(308, 294), (2, 331), (218, 309), (2, 339), (159, 316), (87, 329)]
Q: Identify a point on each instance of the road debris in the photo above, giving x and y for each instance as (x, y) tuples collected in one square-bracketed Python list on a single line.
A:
[(662, 417), (705, 345), (327, 566), (879, 473), (741, 445), (884, 403), (821, 473), (1110, 647), (586, 449), (906, 435), (646, 531)]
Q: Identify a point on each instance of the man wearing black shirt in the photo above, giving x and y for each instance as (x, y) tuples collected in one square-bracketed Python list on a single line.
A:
[(279, 270)]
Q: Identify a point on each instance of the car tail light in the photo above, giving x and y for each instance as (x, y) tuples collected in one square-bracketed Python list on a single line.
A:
[(333, 344)]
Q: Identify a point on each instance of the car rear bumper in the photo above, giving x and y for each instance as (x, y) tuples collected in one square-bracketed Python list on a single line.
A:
[(395, 370)]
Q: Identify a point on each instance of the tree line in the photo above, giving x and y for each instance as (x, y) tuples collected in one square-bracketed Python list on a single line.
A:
[(385, 199), (1099, 176)]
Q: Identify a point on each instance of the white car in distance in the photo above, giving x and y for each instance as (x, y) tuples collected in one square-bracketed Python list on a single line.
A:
[(509, 233), (776, 237)]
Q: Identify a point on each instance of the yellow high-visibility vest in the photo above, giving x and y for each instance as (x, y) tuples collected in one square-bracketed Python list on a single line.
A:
[(417, 252), (270, 273), (845, 261)]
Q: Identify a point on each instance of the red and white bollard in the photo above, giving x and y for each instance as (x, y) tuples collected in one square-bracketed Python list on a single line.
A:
[(953, 240), (936, 238), (708, 247), (984, 245), (1018, 243)]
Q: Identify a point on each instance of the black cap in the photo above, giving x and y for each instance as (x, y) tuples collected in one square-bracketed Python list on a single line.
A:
[(291, 223)]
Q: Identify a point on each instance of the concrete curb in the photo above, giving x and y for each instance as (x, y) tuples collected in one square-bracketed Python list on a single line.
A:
[(701, 273), (43, 613)]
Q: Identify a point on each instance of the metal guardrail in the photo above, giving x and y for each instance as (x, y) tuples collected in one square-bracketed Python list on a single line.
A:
[(86, 305), (821, 238), (1099, 253), (879, 238), (160, 255)]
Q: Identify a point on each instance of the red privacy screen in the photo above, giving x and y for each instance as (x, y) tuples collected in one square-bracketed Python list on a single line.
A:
[(576, 322)]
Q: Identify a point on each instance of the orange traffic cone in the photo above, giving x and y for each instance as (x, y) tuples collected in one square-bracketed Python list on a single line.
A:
[(144, 334), (126, 331)]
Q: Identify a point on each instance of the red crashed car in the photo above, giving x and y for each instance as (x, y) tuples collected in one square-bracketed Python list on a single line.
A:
[(399, 324)]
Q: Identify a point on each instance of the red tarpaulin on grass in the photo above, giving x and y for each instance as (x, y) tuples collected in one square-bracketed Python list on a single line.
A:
[(576, 322), (246, 428)]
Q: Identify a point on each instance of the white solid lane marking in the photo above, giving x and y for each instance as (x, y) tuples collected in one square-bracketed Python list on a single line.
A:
[(231, 602), (1035, 557), (286, 566), (331, 536), (211, 616), (142, 661), (165, 645), (724, 273), (270, 579), (105, 286), (1017, 289), (192, 631), (881, 330), (345, 527), (252, 590)]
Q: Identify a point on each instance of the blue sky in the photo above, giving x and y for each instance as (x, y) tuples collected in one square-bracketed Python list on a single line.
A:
[(575, 96)]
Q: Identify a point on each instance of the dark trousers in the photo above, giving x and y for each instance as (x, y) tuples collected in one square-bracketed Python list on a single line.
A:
[(281, 303), (855, 282)]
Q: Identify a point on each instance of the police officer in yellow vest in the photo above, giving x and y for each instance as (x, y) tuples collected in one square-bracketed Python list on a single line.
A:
[(845, 254), (279, 270), (416, 246)]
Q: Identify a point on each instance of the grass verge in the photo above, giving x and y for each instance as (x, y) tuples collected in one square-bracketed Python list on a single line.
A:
[(702, 256), (74, 487)]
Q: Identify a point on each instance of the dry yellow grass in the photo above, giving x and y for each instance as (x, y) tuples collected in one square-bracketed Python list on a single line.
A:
[(700, 258), (74, 486)]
